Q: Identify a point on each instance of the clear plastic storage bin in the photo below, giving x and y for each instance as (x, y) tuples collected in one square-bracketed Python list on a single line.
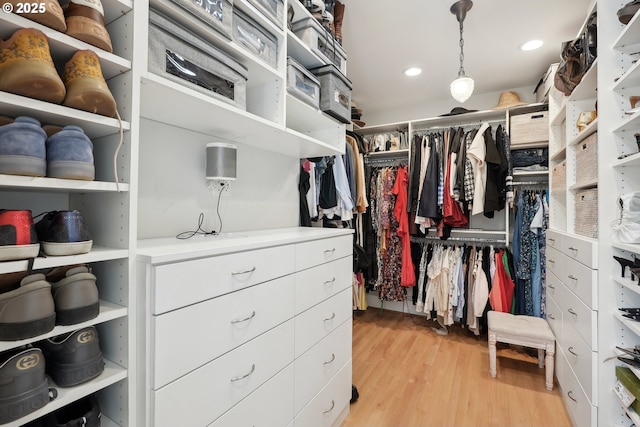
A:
[(302, 84)]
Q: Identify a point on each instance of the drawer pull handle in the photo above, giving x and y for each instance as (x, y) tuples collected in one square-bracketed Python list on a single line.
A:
[(572, 312), (551, 287), (253, 368), (551, 239), (570, 394), (330, 251), (571, 248), (550, 316), (333, 403), (333, 316), (552, 260), (572, 277), (244, 319), (330, 282), (237, 273), (333, 357), (571, 351)]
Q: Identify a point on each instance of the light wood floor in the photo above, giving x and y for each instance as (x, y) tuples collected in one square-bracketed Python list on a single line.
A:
[(410, 376)]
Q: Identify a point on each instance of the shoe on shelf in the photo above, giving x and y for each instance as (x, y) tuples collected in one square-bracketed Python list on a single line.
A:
[(22, 148), (18, 238), (26, 67), (26, 308), (73, 358), (24, 387), (64, 233), (75, 294), (70, 155), (84, 412), (86, 88), (85, 21), (46, 12)]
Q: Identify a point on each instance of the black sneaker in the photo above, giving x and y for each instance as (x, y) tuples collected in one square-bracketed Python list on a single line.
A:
[(64, 233), (75, 294), (23, 383), (84, 412), (73, 358)]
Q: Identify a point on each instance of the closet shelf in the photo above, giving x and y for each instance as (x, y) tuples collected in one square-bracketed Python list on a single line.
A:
[(631, 78), (530, 173), (112, 374), (629, 247), (590, 184), (391, 153), (97, 254), (635, 418), (627, 283), (633, 325), (633, 160), (629, 123), (302, 53), (561, 116), (628, 41), (386, 128), (586, 89), (108, 311), (590, 129), (306, 119), (32, 183), (559, 155)]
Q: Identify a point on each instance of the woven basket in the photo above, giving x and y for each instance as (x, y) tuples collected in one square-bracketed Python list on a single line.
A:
[(559, 177), (586, 212), (587, 160)]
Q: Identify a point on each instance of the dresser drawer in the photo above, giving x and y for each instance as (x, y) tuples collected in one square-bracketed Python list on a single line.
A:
[(554, 288), (316, 284), (555, 262), (554, 239), (581, 317), (581, 249), (332, 401), (554, 318), (181, 284), (581, 412), (270, 405), (200, 397), (583, 363), (315, 368), (320, 320), (188, 338), (309, 254), (581, 280)]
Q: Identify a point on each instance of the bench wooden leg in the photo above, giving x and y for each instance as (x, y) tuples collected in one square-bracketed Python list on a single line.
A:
[(540, 358), (549, 362), (492, 354)]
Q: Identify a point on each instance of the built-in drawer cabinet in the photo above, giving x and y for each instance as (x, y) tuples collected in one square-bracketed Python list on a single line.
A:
[(580, 317), (270, 405), (555, 262), (309, 254), (580, 410), (581, 249), (200, 397), (581, 280), (554, 318), (320, 320), (583, 362), (328, 405), (316, 284), (188, 338), (180, 284), (315, 368), (554, 239)]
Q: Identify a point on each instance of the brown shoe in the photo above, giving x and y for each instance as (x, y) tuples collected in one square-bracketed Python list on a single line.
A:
[(86, 87), (26, 67), (85, 21), (46, 12)]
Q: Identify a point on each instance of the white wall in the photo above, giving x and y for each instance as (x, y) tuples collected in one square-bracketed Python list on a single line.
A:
[(483, 101), (173, 191)]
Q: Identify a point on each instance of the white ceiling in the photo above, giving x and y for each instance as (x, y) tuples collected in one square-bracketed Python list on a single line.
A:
[(383, 37)]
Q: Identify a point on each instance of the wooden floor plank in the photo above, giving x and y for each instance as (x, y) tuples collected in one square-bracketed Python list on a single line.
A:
[(410, 376)]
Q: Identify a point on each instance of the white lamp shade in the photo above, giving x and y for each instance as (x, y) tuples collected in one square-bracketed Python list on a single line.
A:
[(462, 88)]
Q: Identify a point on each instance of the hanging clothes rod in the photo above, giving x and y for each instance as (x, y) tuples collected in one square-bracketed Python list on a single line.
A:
[(416, 239), (386, 162), (460, 125), (545, 183)]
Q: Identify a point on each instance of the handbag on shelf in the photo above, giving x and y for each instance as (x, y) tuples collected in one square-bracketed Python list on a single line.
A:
[(577, 56), (626, 228)]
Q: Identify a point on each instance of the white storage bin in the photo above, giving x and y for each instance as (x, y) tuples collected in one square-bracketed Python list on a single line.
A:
[(529, 130), (335, 92), (218, 14), (178, 55), (248, 34), (321, 42), (272, 9), (302, 84)]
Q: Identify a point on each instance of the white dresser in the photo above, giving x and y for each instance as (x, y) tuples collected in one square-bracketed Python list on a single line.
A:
[(246, 329), (572, 313)]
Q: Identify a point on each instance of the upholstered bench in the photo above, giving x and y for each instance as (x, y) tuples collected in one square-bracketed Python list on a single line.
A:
[(527, 331)]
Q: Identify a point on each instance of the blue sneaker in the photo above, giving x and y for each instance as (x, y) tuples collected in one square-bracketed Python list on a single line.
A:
[(70, 155), (22, 148), (64, 233)]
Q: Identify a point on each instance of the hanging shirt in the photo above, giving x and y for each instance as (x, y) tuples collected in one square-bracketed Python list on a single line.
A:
[(476, 154)]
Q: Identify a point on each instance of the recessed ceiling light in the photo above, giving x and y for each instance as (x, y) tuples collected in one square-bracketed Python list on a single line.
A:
[(412, 71), (531, 45)]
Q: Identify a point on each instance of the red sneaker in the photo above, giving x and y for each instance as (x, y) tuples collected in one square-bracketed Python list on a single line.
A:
[(18, 239)]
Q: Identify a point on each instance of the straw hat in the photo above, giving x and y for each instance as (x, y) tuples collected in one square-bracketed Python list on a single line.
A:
[(508, 99)]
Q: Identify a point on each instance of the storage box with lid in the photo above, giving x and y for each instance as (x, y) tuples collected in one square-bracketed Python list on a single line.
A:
[(335, 92), (216, 14), (321, 42), (545, 83), (587, 160), (529, 130), (586, 212), (254, 38), (559, 177), (178, 55), (302, 84), (272, 9)]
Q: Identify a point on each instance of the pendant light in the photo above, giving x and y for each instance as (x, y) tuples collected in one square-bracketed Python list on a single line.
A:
[(462, 86)]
